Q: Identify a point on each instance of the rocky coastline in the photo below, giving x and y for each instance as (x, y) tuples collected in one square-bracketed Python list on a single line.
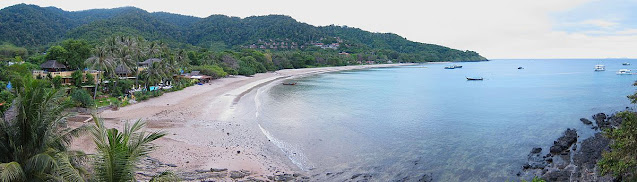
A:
[(565, 160)]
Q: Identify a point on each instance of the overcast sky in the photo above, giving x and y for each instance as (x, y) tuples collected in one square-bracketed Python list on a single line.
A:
[(494, 28)]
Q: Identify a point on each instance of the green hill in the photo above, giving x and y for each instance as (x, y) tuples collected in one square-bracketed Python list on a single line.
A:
[(33, 26)]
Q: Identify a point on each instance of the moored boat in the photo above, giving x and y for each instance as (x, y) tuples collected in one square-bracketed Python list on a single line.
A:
[(294, 83), (474, 78), (453, 67), (624, 72), (600, 67)]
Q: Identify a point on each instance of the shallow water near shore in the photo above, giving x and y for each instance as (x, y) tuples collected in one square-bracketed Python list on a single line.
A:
[(405, 122)]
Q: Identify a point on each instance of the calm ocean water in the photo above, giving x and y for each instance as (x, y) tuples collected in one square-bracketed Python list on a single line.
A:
[(404, 122)]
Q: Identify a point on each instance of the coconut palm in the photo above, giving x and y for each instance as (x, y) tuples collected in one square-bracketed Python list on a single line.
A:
[(182, 58), (154, 74), (33, 144), (117, 152), (101, 61)]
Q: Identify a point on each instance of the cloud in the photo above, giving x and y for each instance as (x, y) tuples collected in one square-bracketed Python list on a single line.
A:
[(605, 24)]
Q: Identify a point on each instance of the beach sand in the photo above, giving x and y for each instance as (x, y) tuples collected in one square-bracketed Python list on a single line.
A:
[(209, 126)]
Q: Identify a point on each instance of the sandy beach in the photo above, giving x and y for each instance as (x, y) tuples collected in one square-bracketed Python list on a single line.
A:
[(210, 125)]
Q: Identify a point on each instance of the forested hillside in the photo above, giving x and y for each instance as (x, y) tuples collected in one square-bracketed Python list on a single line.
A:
[(37, 28)]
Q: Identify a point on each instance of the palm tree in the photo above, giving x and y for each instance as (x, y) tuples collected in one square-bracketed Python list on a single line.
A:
[(117, 152), (33, 144), (154, 74), (101, 61), (182, 58)]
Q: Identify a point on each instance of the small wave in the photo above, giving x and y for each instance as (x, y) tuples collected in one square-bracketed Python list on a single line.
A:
[(292, 152)]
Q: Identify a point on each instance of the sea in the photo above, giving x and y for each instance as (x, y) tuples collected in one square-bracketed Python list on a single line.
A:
[(423, 121)]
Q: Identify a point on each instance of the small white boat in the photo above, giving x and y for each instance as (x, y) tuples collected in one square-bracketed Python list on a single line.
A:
[(600, 67), (626, 63), (624, 72)]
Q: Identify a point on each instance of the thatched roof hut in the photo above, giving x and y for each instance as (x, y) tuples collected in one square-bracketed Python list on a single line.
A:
[(122, 70), (149, 62), (52, 65)]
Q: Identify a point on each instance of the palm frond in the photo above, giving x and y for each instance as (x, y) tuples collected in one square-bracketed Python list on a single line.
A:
[(67, 170), (11, 171)]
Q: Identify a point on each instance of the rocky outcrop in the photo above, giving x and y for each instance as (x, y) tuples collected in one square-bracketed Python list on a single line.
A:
[(568, 160), (586, 121), (564, 142)]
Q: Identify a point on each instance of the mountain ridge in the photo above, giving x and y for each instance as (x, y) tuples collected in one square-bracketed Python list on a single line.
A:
[(35, 26)]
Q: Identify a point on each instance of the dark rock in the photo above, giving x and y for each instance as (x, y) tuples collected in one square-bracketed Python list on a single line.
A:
[(202, 170), (327, 174), (561, 161), (171, 165), (283, 177), (565, 141), (238, 174), (556, 175), (535, 159), (526, 166), (355, 176), (591, 151), (600, 120), (586, 121), (425, 178), (614, 120), (218, 169), (536, 150)]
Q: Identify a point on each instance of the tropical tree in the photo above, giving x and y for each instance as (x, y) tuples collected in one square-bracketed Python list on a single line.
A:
[(154, 74), (117, 152), (101, 61), (33, 143)]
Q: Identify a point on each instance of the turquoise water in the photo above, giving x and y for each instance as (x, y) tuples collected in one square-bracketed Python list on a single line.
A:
[(404, 122)]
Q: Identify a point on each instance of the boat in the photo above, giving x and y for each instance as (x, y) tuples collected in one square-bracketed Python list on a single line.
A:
[(624, 72), (289, 83), (453, 67), (600, 67), (626, 63), (520, 68), (475, 78)]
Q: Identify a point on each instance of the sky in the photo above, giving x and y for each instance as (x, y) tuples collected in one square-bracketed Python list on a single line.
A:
[(497, 29)]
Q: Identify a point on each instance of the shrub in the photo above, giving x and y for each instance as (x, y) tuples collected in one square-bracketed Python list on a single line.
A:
[(82, 98), (210, 70), (77, 77), (57, 82), (90, 79), (6, 98)]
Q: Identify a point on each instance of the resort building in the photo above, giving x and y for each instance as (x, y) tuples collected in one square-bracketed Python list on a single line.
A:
[(52, 68)]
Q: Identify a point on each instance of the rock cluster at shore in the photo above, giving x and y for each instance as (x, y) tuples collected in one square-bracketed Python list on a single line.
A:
[(565, 161)]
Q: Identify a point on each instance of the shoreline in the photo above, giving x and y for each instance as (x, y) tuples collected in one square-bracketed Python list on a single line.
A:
[(209, 126)]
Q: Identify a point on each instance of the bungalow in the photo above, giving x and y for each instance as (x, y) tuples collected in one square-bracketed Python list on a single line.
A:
[(123, 72), (54, 68), (148, 62), (194, 75)]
